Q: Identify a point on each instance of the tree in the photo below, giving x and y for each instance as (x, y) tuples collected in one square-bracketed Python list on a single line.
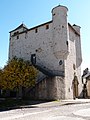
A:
[(18, 73), (1, 72)]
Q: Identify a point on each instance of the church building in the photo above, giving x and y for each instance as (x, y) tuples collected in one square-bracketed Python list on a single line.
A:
[(54, 48)]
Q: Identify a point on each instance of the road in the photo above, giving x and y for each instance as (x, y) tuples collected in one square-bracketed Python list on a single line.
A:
[(49, 111)]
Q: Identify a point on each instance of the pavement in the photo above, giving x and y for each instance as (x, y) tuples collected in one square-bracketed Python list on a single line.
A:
[(47, 108), (60, 103)]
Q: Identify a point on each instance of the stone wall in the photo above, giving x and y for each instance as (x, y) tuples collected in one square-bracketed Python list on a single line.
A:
[(51, 88), (71, 67)]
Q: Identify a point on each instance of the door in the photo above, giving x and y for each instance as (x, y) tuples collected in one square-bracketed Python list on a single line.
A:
[(75, 87)]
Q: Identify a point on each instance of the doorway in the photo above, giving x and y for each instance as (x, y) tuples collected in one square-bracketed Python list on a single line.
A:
[(75, 87)]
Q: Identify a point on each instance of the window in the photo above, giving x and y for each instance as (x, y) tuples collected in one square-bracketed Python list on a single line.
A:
[(53, 14), (16, 33), (74, 67), (67, 43), (36, 30), (17, 36), (60, 62), (47, 26), (33, 59), (26, 35)]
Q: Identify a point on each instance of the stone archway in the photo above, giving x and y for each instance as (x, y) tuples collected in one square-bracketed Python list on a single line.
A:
[(75, 87)]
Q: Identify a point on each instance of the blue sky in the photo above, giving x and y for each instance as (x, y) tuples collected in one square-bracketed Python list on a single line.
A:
[(35, 12)]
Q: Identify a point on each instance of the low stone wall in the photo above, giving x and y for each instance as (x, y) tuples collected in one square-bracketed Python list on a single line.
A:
[(51, 88)]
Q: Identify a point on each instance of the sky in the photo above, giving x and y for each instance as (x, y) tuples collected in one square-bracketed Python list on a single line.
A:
[(35, 12)]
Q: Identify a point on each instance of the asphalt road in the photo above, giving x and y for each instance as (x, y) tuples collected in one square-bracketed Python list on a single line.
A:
[(49, 111)]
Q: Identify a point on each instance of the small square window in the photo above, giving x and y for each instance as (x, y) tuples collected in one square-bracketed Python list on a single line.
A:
[(47, 26), (36, 30), (17, 36), (54, 14)]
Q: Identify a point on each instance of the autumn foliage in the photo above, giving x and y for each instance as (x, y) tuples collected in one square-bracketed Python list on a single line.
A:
[(17, 73)]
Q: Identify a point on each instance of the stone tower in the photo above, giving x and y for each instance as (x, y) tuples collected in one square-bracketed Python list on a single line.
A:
[(60, 34), (54, 48)]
